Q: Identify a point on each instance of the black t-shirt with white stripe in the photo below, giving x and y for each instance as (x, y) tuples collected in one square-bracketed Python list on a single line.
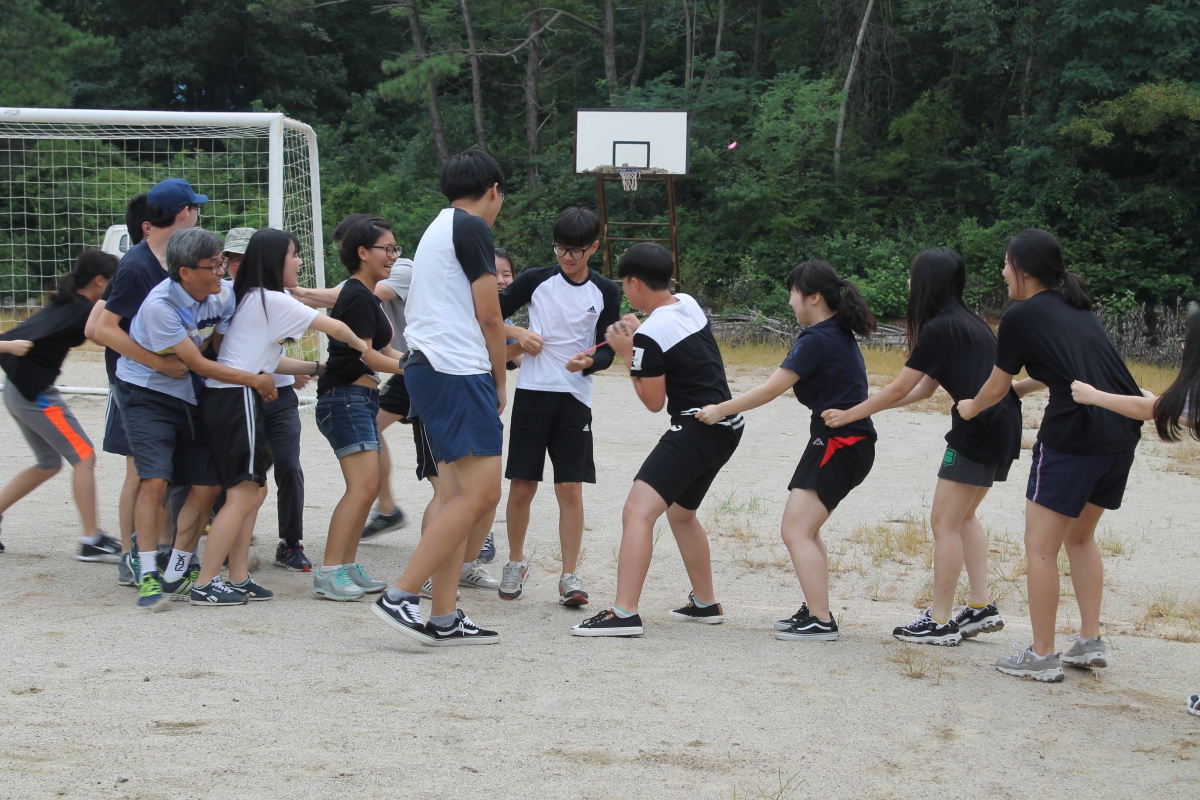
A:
[(677, 341)]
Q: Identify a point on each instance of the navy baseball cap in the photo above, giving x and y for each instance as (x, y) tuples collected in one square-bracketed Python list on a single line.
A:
[(174, 195)]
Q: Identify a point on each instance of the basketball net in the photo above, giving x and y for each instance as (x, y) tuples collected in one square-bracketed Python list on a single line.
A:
[(629, 178)]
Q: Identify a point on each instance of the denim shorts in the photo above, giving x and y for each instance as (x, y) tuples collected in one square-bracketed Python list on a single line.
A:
[(346, 417)]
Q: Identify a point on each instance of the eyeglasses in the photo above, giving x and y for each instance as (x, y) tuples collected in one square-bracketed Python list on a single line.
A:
[(194, 207), (390, 250), (575, 254), (215, 269)]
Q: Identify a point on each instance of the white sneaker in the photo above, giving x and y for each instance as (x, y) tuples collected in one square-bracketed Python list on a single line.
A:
[(427, 590), (478, 578)]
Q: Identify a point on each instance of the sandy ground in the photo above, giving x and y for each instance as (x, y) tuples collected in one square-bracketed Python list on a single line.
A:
[(303, 698)]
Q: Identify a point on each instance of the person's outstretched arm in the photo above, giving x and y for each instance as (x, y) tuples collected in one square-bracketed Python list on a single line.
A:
[(189, 354), (890, 396), (992, 392), (1124, 404), (780, 381)]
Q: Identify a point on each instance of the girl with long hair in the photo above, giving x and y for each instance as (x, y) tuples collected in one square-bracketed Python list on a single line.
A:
[(32, 356), (234, 419), (1082, 456), (825, 369), (950, 346)]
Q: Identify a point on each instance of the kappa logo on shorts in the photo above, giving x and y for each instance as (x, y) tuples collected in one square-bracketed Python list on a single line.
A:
[(818, 443)]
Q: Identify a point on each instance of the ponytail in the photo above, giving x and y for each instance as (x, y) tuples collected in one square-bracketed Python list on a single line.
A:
[(87, 266), (1183, 396), (841, 296), (1037, 254)]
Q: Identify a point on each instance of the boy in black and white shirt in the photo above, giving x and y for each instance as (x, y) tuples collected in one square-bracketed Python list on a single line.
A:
[(673, 360), (570, 308)]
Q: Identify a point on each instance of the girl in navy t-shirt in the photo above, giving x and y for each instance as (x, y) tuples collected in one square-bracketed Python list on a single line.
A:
[(825, 369)]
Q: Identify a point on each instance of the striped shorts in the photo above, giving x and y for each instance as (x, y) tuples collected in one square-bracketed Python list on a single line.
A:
[(49, 426)]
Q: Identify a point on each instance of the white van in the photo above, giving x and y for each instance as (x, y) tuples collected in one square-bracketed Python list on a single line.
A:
[(116, 240)]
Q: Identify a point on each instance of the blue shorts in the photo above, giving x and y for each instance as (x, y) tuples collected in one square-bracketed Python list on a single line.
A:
[(346, 418), (167, 437), (115, 440), (1065, 483), (458, 412)]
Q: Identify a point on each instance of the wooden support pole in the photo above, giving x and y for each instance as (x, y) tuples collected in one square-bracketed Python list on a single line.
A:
[(674, 228), (602, 207)]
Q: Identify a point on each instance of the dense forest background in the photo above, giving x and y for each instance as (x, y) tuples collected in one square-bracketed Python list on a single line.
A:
[(962, 122)]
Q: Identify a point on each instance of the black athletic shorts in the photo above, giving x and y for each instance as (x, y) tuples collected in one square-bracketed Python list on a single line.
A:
[(688, 457), (236, 427), (960, 469), (426, 461), (554, 422), (833, 465), (393, 397)]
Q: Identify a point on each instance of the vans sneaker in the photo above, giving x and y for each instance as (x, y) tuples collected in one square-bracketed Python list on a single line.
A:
[(973, 621), (607, 623), (1028, 664), (784, 624), (810, 629), (710, 615), (1193, 705), (461, 631), (107, 550), (924, 630), (570, 591), (404, 616), (1086, 652), (513, 581)]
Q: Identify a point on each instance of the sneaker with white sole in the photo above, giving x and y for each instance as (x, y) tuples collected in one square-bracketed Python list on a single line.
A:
[(710, 615), (1085, 652), (1028, 664), (570, 591), (379, 524), (810, 629), (216, 593), (478, 578), (364, 581), (427, 590), (973, 621), (607, 623), (336, 585), (925, 630), (107, 549), (1193, 705), (512, 582), (252, 589), (784, 624), (404, 616), (461, 631)]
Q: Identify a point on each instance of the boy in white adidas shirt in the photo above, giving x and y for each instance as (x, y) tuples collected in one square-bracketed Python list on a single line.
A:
[(570, 308)]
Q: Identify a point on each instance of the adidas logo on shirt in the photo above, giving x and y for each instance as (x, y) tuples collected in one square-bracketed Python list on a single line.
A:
[(591, 309), (587, 428)]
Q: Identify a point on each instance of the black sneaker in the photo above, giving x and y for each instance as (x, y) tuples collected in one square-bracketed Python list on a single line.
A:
[(404, 616), (1, 543), (973, 621), (711, 615), (251, 589), (163, 559), (607, 623), (216, 593), (461, 631), (291, 557), (379, 524), (107, 550), (810, 629), (925, 630), (784, 624)]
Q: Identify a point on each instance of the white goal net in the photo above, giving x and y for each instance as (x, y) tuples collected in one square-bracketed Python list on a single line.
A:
[(66, 176)]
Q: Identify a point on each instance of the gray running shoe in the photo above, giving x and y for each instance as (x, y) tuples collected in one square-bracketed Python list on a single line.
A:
[(570, 591), (1086, 652), (336, 585), (126, 575), (512, 583), (427, 590), (1028, 664), (364, 581), (478, 578)]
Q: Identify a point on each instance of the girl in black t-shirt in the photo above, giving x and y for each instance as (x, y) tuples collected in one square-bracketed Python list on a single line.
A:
[(1083, 454), (32, 356), (825, 369), (950, 346), (348, 403)]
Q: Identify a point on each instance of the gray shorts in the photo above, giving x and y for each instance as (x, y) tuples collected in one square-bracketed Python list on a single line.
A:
[(960, 469), (49, 426)]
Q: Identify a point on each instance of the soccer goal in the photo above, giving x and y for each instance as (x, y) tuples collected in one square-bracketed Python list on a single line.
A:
[(67, 174)]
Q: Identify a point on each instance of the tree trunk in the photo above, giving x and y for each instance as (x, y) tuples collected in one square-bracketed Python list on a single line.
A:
[(716, 48), (476, 82), (641, 59), (1028, 78), (609, 41), (533, 64), (841, 126), (687, 60), (757, 38), (435, 113)]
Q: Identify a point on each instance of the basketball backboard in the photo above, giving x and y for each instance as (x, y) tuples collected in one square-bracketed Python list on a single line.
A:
[(653, 140)]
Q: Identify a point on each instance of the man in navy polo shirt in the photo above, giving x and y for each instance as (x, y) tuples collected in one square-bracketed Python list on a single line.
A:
[(173, 206)]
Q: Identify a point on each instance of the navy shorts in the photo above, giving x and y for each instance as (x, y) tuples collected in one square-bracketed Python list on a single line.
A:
[(1065, 483), (346, 418), (167, 437), (458, 412), (115, 440)]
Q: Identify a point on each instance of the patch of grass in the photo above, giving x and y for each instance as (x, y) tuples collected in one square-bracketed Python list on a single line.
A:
[(938, 403), (1172, 617), (1148, 376), (1112, 545), (900, 541), (752, 355), (734, 525), (784, 790), (918, 663), (1183, 457)]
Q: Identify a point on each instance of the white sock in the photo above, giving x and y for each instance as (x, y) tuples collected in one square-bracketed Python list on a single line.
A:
[(177, 565), (467, 567), (148, 562), (90, 539), (330, 568)]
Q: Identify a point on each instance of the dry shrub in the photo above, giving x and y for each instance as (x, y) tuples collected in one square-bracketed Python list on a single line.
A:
[(1170, 616), (938, 403), (918, 663), (899, 541), (1183, 457), (733, 524)]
